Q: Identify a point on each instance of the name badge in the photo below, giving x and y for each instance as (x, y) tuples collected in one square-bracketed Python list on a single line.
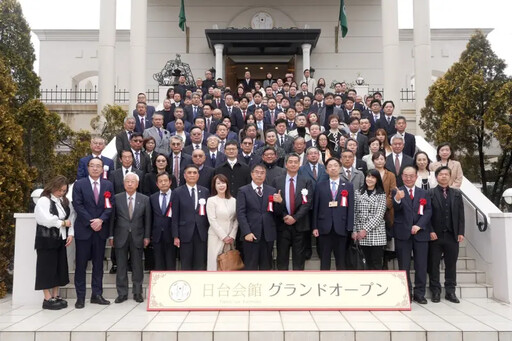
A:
[(333, 204)]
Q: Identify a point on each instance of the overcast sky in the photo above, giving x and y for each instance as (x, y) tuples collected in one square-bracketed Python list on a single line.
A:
[(80, 14)]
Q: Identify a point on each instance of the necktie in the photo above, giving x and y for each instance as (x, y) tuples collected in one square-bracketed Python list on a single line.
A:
[(314, 172), (282, 140), (129, 135), (142, 127), (213, 160), (126, 172), (96, 192), (243, 114), (375, 118), (193, 195), (445, 193), (177, 169), (208, 121), (247, 159), (160, 133), (410, 194), (272, 116), (164, 203), (130, 207), (197, 146), (333, 190), (218, 103), (195, 111), (258, 190), (389, 120), (222, 146), (397, 164), (291, 192), (137, 160), (348, 174), (229, 111)]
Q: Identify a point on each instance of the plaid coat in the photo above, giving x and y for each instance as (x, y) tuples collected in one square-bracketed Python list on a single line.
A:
[(369, 215)]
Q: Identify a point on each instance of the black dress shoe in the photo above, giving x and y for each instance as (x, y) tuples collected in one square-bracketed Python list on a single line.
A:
[(62, 301), (113, 269), (138, 298), (80, 303), (420, 300), (436, 297), (98, 299), (121, 298), (52, 304), (452, 298)]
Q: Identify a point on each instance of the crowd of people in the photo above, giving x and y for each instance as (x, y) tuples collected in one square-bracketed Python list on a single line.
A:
[(274, 162)]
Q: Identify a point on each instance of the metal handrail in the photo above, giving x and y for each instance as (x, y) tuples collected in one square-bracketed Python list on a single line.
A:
[(482, 226)]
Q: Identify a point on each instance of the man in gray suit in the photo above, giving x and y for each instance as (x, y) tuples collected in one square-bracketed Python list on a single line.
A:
[(130, 230), (348, 172), (162, 136)]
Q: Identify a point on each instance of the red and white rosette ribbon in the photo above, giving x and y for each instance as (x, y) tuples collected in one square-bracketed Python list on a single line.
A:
[(202, 204), (344, 198), (105, 172), (304, 193), (169, 211), (270, 207), (107, 196), (423, 202)]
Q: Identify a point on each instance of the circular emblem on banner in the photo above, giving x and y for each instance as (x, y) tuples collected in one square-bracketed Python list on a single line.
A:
[(179, 291)]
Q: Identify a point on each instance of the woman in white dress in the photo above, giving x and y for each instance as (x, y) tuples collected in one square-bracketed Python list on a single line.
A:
[(221, 212)]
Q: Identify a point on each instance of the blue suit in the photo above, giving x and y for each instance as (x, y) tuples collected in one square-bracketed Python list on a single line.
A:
[(321, 175), (148, 121), (90, 244), (82, 171), (190, 227), (161, 234), (334, 224), (406, 216)]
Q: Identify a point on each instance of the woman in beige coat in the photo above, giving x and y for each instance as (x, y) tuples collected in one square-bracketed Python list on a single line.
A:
[(221, 212), (445, 158)]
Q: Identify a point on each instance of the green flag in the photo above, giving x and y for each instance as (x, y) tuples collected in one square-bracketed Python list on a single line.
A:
[(342, 19), (183, 18)]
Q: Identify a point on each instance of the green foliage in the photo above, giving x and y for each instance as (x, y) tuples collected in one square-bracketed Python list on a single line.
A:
[(468, 108), (15, 175), (66, 163), (110, 122), (17, 51)]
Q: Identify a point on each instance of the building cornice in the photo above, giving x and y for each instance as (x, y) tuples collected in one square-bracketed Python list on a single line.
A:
[(436, 34), (77, 35)]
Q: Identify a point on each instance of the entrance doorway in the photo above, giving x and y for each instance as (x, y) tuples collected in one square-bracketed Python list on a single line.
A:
[(235, 71)]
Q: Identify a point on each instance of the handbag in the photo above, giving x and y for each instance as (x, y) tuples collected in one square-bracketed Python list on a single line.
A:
[(47, 238), (229, 259), (355, 257)]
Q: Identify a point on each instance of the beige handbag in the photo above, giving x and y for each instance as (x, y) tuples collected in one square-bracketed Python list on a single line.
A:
[(229, 259)]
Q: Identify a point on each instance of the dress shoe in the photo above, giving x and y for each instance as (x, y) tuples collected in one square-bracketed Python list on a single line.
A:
[(52, 304), (138, 298), (452, 298), (121, 298), (308, 254), (436, 297), (113, 269), (98, 299), (420, 300), (80, 303)]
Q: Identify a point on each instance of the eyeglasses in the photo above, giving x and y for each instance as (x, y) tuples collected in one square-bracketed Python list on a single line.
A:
[(137, 141), (247, 143)]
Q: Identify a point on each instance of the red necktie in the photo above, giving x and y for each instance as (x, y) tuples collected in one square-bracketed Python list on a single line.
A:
[(142, 124), (243, 114), (410, 194), (291, 193)]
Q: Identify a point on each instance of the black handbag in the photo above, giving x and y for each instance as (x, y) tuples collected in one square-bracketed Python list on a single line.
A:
[(355, 257), (47, 237)]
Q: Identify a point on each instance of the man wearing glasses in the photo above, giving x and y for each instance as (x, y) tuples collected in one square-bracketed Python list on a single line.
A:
[(141, 160), (178, 159), (246, 154), (238, 173)]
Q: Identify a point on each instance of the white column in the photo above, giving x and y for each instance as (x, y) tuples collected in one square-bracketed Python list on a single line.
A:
[(219, 61), (391, 52), (106, 54), (138, 37), (306, 57), (422, 55)]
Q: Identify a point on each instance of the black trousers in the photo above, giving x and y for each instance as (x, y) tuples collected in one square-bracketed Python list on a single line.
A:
[(445, 245), (286, 238), (165, 255), (193, 253), (403, 253), (258, 255), (374, 256), (332, 243)]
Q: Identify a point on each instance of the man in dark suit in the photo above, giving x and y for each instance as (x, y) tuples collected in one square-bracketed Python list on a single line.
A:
[(178, 113), (258, 99), (206, 173), (409, 139), (246, 154), (359, 164), (141, 160), (387, 121), (123, 138), (142, 119), (218, 102), (210, 124), (333, 215), (248, 83), (397, 161), (238, 173), (196, 139), (178, 159), (284, 140), (272, 111), (229, 110), (161, 233), (193, 110), (295, 194), (446, 232), (348, 172), (166, 112), (92, 201), (238, 117), (130, 229), (97, 146), (362, 141), (141, 98), (117, 176), (256, 221), (214, 158), (411, 230), (304, 91), (189, 221)]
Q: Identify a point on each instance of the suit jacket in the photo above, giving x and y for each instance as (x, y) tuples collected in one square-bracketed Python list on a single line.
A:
[(184, 160), (301, 212), (215, 106), (220, 158), (339, 217), (150, 110), (248, 85), (139, 225), (148, 122), (409, 144), (252, 214), (238, 176), (86, 208), (185, 217), (82, 171), (361, 166), (234, 111), (150, 186), (390, 166), (168, 116), (237, 119), (323, 119), (252, 107), (191, 147), (457, 176), (205, 177), (117, 179), (301, 95), (171, 126), (122, 143), (357, 178), (162, 143), (268, 116), (251, 161), (161, 230), (456, 207), (288, 143), (321, 175), (362, 146), (145, 162), (388, 127), (189, 113), (406, 215)]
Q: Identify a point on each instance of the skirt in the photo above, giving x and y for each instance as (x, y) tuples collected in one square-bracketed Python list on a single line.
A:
[(52, 268)]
